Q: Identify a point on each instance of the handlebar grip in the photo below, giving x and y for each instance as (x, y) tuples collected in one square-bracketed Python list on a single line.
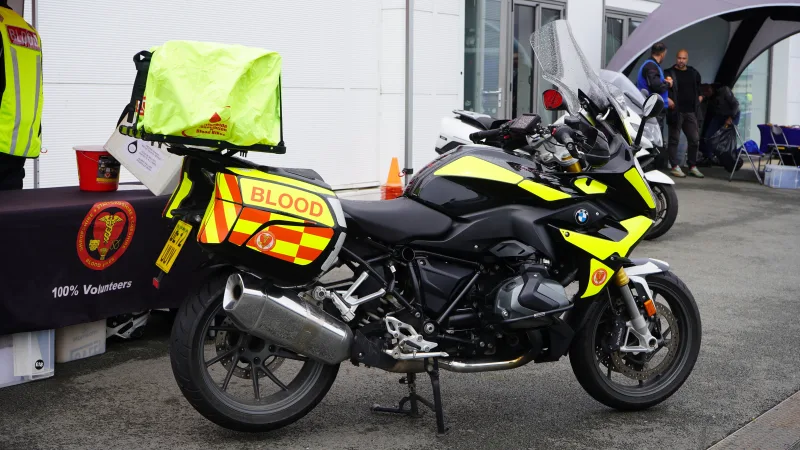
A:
[(564, 135), (480, 135)]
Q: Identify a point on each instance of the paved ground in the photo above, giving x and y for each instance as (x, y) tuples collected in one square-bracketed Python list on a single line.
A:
[(737, 246)]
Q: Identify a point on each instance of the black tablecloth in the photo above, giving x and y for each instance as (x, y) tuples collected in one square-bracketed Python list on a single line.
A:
[(69, 257)]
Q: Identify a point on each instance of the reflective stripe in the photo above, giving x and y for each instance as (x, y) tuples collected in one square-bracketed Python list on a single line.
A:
[(17, 114), (35, 104)]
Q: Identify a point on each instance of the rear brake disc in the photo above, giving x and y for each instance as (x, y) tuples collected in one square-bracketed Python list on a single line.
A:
[(223, 343)]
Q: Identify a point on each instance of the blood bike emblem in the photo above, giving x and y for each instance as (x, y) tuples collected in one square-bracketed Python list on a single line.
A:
[(265, 241), (105, 234), (599, 277)]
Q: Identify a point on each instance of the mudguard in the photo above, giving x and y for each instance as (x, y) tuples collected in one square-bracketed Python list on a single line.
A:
[(643, 268), (656, 176)]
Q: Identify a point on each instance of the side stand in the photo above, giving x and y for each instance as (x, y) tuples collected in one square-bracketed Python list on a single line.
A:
[(413, 399)]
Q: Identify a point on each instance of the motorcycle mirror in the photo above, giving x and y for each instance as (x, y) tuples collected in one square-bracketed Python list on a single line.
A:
[(652, 108), (553, 100)]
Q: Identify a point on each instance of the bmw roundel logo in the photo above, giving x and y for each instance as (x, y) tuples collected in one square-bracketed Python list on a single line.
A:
[(581, 216)]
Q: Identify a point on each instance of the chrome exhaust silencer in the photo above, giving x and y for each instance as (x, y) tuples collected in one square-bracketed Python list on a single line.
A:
[(286, 320)]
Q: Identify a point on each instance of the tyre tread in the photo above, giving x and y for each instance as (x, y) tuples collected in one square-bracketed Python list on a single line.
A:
[(183, 331)]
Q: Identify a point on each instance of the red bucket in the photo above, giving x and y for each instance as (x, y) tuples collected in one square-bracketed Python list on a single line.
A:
[(98, 171)]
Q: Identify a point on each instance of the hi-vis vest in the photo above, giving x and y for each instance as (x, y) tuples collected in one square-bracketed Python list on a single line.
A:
[(21, 106)]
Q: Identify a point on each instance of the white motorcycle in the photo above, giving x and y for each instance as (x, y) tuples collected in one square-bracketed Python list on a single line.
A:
[(455, 131)]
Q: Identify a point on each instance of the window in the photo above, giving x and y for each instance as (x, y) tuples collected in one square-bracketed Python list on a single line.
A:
[(751, 89), (618, 26), (501, 76)]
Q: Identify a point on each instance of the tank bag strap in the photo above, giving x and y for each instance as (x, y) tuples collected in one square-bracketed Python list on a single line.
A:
[(142, 62)]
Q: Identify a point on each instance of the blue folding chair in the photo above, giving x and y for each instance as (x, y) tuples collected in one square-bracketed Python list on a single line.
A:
[(747, 149)]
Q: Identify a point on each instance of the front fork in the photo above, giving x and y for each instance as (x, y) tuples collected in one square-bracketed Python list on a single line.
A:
[(637, 325)]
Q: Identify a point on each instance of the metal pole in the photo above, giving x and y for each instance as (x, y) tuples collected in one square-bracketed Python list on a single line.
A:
[(35, 24), (409, 138)]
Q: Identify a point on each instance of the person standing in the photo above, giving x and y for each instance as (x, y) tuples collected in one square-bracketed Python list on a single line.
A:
[(651, 79), (21, 96), (686, 98)]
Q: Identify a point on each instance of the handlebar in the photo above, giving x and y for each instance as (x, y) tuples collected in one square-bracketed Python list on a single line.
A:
[(481, 135)]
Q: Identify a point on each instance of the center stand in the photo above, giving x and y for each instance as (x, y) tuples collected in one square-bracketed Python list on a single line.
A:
[(432, 368)]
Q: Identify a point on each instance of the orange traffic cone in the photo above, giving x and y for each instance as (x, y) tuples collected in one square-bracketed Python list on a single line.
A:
[(393, 187)]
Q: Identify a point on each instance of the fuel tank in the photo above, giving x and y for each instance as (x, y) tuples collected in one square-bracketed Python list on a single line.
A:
[(475, 178)]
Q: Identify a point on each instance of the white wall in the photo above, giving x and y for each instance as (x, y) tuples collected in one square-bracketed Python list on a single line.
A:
[(780, 81), (438, 76), (793, 94), (343, 69), (638, 6), (587, 20)]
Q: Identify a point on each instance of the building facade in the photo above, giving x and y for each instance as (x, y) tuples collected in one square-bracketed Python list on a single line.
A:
[(343, 70)]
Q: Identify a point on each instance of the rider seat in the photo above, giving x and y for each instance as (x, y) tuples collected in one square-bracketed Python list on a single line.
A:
[(398, 220)]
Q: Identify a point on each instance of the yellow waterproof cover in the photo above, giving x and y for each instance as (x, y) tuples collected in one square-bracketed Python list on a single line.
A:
[(213, 91)]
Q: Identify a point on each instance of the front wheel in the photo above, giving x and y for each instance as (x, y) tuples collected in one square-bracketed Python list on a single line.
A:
[(666, 209), (636, 381), (237, 380)]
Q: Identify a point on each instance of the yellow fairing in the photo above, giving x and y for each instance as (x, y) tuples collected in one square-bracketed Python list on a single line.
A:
[(599, 274), (472, 167), (636, 180), (285, 199), (603, 248), (179, 194), (589, 186), (542, 191)]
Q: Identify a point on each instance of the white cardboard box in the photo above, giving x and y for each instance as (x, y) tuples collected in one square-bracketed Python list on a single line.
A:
[(80, 341), (26, 357), (155, 167)]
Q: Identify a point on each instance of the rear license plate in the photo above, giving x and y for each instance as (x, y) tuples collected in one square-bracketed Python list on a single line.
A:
[(173, 246)]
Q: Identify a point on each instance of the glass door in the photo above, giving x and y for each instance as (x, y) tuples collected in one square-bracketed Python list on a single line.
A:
[(523, 63), (527, 84), (485, 56), (546, 15), (501, 76)]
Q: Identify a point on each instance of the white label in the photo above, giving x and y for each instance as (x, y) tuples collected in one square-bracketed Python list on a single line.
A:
[(148, 158)]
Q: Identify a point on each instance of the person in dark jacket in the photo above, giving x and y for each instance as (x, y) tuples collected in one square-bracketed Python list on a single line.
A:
[(724, 110), (651, 78), (685, 96)]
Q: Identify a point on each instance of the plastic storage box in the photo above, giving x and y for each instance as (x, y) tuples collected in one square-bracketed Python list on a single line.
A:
[(80, 341), (26, 357), (782, 177)]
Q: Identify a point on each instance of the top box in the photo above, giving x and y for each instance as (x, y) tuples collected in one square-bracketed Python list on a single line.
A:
[(208, 95)]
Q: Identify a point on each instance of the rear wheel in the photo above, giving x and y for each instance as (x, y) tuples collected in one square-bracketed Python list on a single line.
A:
[(629, 381), (666, 209), (237, 380)]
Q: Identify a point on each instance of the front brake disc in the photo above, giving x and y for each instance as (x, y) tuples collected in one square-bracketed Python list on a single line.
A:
[(624, 363)]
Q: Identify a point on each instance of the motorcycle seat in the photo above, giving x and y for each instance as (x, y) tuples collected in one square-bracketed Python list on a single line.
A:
[(395, 221)]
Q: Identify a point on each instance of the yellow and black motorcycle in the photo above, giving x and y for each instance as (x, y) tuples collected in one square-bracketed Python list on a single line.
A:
[(468, 271)]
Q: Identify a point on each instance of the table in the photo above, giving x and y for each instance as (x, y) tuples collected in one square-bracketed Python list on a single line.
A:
[(72, 257), (792, 135)]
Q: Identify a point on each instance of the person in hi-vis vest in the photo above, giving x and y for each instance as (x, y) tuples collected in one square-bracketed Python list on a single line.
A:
[(21, 96)]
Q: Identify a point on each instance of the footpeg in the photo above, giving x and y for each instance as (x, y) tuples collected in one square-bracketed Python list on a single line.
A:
[(410, 344)]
